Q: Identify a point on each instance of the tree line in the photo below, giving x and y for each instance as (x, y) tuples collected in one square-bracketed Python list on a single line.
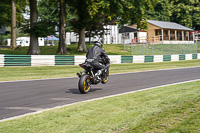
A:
[(89, 15), (184, 12)]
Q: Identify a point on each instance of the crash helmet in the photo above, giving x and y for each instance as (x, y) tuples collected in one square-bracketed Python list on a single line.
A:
[(98, 43)]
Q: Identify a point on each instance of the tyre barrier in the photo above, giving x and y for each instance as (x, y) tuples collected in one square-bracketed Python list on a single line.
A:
[(55, 60)]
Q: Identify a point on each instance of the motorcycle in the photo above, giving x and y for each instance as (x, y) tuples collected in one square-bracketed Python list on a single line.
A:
[(88, 77)]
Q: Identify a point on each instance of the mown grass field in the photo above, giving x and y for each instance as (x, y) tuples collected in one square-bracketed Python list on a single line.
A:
[(45, 72), (173, 109), (115, 49)]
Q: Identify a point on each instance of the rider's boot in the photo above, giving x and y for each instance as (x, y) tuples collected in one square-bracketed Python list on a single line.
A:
[(99, 72)]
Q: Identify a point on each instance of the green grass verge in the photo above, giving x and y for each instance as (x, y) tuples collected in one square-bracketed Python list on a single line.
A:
[(113, 49), (44, 72), (165, 109)]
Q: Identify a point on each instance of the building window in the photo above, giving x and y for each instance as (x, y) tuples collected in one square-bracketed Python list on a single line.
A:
[(156, 32), (127, 36)]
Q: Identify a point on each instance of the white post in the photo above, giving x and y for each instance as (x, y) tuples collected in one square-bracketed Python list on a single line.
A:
[(162, 34), (175, 35), (52, 40), (131, 47), (169, 35), (193, 35), (182, 35)]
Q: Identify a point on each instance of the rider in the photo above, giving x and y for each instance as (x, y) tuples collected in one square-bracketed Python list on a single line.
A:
[(95, 54)]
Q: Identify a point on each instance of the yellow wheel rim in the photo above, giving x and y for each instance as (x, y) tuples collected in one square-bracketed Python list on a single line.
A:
[(86, 87), (106, 79)]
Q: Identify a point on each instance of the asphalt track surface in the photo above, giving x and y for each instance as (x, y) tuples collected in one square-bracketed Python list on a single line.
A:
[(22, 97)]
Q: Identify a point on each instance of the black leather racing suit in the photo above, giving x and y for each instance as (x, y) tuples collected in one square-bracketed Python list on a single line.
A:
[(95, 53)]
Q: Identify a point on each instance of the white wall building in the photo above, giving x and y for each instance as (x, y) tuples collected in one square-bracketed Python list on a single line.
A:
[(71, 37), (25, 41), (129, 34), (196, 36), (113, 35), (110, 36)]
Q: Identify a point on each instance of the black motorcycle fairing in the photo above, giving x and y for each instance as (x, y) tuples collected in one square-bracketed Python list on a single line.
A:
[(86, 65), (88, 76)]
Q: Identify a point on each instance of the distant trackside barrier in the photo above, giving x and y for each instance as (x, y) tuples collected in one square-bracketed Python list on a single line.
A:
[(55, 60)]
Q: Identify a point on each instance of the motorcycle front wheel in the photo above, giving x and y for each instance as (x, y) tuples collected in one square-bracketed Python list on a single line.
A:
[(105, 76), (84, 84)]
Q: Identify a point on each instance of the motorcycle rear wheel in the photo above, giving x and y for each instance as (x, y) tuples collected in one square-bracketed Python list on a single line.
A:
[(84, 84)]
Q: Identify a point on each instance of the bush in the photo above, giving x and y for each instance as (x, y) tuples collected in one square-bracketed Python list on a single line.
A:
[(3, 39)]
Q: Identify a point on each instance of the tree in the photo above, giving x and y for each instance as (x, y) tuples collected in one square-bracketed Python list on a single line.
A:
[(183, 12), (89, 16), (51, 15), (13, 26), (34, 46), (80, 8), (161, 11), (48, 17), (11, 15), (121, 11), (5, 13), (196, 16), (62, 47)]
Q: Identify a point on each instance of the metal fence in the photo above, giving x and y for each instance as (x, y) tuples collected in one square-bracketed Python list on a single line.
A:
[(160, 48)]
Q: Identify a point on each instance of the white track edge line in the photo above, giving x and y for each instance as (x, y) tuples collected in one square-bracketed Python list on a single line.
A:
[(110, 74), (94, 99)]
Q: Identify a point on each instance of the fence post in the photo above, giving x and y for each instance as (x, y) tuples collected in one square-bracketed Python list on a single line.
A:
[(147, 48), (132, 47), (196, 47), (124, 42), (184, 48), (142, 49), (170, 48), (152, 49), (162, 48), (177, 48)]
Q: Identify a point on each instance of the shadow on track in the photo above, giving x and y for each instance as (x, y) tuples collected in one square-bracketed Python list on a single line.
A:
[(76, 91)]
